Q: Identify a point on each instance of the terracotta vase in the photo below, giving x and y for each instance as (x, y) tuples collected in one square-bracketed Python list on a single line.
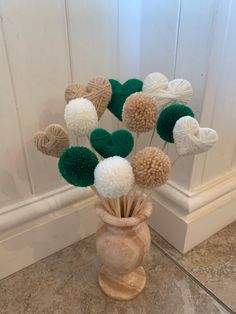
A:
[(122, 244)]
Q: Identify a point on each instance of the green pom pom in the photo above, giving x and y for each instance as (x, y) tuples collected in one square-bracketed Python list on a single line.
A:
[(167, 119), (119, 143), (120, 93), (77, 165)]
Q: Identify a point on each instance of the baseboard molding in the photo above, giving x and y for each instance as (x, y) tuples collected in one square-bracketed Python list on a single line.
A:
[(187, 219), (44, 226)]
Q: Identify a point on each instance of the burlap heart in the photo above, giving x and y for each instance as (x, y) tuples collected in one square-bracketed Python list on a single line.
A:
[(53, 141), (191, 139), (98, 91)]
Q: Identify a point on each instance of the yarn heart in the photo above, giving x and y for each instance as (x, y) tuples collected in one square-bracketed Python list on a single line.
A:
[(53, 141), (119, 94), (119, 143), (98, 91), (164, 93), (191, 139)]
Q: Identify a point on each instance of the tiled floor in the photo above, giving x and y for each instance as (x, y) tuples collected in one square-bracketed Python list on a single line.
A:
[(66, 282), (213, 263)]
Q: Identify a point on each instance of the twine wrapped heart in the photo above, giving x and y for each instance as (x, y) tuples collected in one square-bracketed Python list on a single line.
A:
[(119, 94), (191, 139), (53, 141), (119, 143), (98, 91), (164, 93)]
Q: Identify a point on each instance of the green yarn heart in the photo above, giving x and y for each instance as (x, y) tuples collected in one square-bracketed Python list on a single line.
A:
[(120, 93), (119, 143), (77, 165), (167, 119)]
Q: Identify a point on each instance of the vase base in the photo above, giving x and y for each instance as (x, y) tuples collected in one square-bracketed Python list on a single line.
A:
[(122, 287)]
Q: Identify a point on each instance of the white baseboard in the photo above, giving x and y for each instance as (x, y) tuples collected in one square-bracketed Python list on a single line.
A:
[(39, 228), (186, 219)]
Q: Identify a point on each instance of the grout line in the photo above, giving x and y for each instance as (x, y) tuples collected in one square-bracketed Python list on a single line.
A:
[(21, 133), (191, 277)]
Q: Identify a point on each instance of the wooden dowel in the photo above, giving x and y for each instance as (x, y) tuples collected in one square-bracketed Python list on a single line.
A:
[(152, 136), (164, 146), (174, 161), (136, 143), (108, 209)]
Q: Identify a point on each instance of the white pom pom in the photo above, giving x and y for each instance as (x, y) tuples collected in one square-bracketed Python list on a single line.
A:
[(191, 139), (81, 116), (180, 90), (113, 177)]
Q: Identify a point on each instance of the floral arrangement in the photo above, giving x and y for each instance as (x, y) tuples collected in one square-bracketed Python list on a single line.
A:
[(152, 105)]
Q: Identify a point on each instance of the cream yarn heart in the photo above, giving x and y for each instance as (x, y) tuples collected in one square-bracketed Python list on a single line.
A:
[(191, 139), (53, 141), (157, 86)]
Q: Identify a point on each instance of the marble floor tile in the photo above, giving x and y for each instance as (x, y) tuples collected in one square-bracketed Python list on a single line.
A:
[(213, 263), (66, 282)]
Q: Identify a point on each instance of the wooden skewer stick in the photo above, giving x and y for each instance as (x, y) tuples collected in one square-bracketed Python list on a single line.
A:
[(164, 146), (174, 161), (152, 136), (108, 209), (136, 143), (117, 205), (139, 204), (130, 197)]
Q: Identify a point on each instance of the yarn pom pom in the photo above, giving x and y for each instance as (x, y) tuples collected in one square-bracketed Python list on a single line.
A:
[(168, 118), (113, 177), (77, 165), (139, 113), (119, 143), (151, 167), (119, 94), (81, 116)]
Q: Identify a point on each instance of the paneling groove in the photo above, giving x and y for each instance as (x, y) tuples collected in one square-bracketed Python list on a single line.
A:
[(19, 120)]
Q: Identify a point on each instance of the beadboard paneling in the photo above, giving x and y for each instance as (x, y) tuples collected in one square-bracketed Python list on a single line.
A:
[(38, 53), (14, 180), (93, 41)]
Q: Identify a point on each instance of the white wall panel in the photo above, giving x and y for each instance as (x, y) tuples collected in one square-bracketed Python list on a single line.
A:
[(192, 58), (93, 40), (38, 53), (14, 180)]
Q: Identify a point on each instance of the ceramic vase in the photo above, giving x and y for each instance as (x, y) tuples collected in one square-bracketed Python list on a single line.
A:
[(122, 244)]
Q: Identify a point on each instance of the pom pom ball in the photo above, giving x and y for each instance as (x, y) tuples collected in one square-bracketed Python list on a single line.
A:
[(139, 113), (77, 165), (119, 143), (113, 177), (168, 118), (151, 167), (120, 93), (81, 116)]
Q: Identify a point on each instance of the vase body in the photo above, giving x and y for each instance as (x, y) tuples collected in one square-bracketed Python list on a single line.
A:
[(122, 244)]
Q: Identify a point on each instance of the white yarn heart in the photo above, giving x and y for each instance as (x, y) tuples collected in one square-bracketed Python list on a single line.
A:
[(164, 93), (155, 85), (191, 139)]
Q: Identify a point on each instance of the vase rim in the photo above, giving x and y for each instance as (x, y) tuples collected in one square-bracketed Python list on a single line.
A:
[(142, 215)]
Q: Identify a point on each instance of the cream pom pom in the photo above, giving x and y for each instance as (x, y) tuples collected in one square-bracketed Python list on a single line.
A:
[(113, 177), (81, 116), (191, 139), (180, 90)]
